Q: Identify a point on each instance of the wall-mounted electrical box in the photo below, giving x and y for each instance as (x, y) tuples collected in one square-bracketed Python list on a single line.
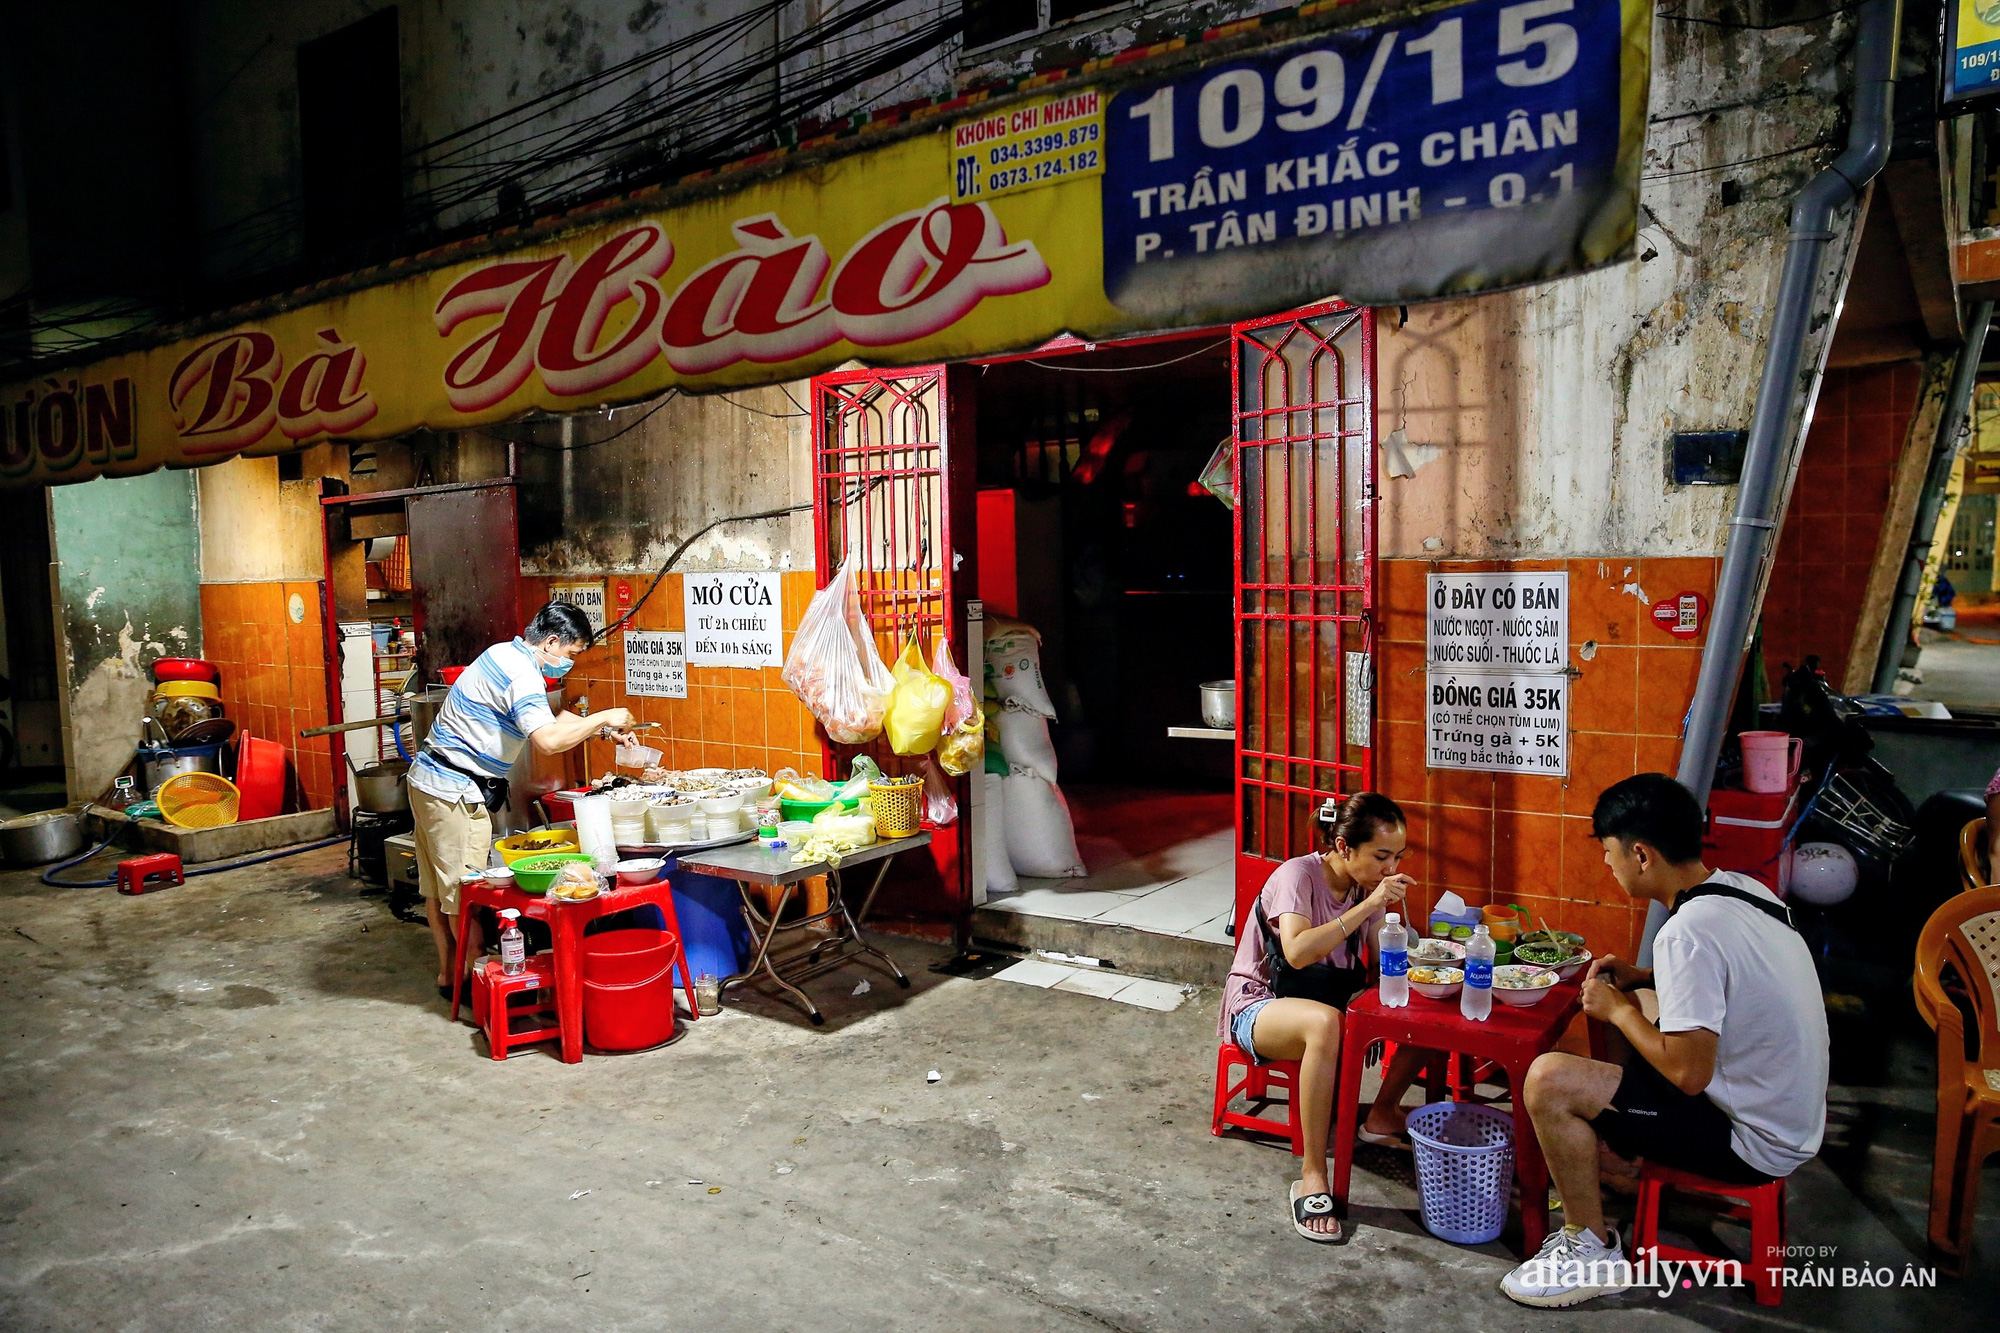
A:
[(1708, 457)]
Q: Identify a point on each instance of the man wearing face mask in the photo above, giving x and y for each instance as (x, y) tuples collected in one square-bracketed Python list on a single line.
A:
[(499, 703)]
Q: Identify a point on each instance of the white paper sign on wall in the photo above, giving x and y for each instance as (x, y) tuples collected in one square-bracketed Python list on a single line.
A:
[(1515, 621), (656, 664), (1517, 723), (734, 620), (585, 597)]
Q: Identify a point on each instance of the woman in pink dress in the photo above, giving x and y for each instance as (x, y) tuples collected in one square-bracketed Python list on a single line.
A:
[(1299, 961)]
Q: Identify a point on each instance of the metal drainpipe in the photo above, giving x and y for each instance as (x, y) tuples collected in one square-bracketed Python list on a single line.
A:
[(1902, 612), (1768, 456)]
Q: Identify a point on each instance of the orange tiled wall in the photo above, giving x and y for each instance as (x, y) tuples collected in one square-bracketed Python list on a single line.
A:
[(1495, 837), (1819, 572), (732, 717), (273, 675)]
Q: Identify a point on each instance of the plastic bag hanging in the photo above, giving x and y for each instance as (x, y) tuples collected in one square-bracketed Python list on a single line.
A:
[(940, 806), (833, 666), (962, 703), (915, 717)]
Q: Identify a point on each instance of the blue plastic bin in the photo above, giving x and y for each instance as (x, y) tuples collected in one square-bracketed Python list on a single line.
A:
[(1465, 1169)]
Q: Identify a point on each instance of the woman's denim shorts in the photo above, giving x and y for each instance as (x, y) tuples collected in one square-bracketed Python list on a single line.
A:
[(1245, 1023)]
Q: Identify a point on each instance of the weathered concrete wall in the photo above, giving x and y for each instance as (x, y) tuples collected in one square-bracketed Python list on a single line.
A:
[(127, 554), (1541, 419), (623, 505), (464, 61)]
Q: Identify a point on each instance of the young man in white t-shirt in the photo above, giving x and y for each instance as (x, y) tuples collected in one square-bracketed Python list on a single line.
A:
[(1730, 1083)]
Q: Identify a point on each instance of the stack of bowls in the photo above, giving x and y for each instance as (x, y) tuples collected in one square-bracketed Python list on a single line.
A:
[(724, 813), (628, 820), (670, 820)]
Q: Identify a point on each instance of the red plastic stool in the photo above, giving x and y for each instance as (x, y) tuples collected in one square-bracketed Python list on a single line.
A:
[(501, 1034), (1763, 1205), (133, 874), (1256, 1084)]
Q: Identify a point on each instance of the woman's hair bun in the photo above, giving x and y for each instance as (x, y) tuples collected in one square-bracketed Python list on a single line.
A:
[(1356, 819)]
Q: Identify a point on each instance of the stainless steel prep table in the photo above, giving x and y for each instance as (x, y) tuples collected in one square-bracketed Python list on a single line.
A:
[(750, 863)]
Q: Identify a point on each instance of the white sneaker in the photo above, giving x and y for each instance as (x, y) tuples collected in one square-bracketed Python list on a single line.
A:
[(1570, 1268)]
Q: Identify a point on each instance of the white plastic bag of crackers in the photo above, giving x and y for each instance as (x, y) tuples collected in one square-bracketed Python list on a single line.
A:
[(834, 666)]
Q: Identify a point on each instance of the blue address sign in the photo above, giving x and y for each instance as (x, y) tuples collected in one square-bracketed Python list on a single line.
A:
[(1476, 147)]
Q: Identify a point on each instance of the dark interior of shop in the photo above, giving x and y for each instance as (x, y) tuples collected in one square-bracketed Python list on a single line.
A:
[(1095, 529)]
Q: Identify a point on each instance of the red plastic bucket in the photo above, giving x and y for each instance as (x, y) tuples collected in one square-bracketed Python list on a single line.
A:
[(622, 957), (628, 988)]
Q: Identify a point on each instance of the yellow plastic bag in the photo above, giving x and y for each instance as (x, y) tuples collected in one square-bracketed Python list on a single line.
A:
[(965, 748), (915, 717)]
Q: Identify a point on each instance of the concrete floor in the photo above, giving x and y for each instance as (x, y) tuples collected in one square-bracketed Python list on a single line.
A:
[(1957, 672), (238, 1104)]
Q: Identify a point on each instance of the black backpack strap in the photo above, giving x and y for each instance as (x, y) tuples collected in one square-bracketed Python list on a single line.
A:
[(1776, 911)]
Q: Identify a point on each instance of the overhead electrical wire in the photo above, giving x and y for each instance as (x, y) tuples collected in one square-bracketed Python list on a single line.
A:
[(697, 101)]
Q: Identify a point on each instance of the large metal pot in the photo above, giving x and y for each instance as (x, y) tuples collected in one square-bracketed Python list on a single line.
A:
[(380, 788), (423, 711), (34, 840), (1218, 703), (159, 762)]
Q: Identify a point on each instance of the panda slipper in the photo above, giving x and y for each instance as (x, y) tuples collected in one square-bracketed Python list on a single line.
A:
[(1310, 1207)]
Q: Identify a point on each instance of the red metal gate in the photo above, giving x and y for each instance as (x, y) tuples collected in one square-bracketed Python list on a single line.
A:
[(1305, 576), (894, 485)]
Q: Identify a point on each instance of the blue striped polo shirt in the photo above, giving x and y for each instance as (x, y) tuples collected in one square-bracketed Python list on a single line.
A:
[(491, 711)]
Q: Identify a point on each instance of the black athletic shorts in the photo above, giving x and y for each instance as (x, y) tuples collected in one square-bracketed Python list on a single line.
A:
[(1651, 1118)]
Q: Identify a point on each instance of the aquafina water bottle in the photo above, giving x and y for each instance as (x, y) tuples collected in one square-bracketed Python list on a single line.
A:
[(1475, 998), (1393, 948)]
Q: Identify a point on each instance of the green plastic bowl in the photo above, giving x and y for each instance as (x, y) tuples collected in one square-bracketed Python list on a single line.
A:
[(807, 809), (541, 881)]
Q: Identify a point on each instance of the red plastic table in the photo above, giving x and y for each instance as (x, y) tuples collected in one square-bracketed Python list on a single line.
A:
[(1511, 1038), (566, 921)]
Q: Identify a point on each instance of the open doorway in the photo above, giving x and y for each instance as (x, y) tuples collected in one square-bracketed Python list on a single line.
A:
[(1094, 528)]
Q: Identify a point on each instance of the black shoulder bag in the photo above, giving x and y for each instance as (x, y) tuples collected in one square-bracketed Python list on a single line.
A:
[(1776, 911), (1320, 981), (492, 791)]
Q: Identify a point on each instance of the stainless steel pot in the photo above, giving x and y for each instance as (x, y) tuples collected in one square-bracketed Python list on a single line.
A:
[(423, 711), (158, 763), (381, 789), (1218, 703), (34, 840)]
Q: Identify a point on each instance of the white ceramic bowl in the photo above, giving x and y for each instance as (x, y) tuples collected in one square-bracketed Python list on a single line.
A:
[(751, 788), (1521, 996), (726, 803), (1439, 990), (1436, 953), (644, 870)]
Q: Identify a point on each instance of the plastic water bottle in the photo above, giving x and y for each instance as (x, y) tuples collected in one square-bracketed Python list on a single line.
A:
[(1475, 998), (1393, 948), (513, 945)]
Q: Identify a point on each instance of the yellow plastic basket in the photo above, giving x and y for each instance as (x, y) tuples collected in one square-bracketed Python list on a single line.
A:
[(190, 689), (198, 800), (899, 806)]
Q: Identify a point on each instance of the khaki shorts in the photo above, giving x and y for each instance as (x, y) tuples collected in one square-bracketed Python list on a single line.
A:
[(453, 839)]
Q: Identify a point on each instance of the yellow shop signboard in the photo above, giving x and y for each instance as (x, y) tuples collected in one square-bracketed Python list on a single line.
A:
[(1474, 147)]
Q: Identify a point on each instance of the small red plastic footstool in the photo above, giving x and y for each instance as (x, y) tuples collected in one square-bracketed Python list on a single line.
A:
[(163, 866)]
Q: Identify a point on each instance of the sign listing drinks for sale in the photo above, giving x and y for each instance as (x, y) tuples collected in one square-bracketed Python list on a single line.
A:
[(1496, 696)]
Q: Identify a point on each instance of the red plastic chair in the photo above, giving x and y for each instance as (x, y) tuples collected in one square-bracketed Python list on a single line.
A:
[(501, 1034), (165, 866), (1763, 1205), (1255, 1086)]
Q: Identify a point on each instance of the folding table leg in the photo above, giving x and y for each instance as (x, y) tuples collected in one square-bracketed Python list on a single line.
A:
[(763, 960)]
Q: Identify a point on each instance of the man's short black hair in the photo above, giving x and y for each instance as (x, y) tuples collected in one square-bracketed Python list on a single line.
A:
[(565, 622), (1654, 809)]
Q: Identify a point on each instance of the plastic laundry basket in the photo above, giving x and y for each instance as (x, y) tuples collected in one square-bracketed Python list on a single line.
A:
[(1465, 1169)]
